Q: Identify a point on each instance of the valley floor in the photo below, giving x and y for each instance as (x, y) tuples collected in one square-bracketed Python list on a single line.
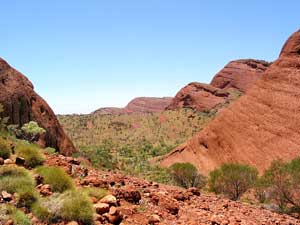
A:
[(167, 204)]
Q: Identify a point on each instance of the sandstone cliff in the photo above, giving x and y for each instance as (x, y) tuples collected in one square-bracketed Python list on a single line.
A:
[(263, 125), (22, 104), (236, 77)]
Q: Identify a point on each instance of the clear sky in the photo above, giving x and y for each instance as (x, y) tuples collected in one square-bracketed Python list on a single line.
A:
[(82, 55)]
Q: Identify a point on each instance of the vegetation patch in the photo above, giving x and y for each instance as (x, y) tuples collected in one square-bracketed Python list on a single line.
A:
[(97, 193), (31, 153), (4, 149), (69, 206), (232, 180), (56, 177), (17, 180), (187, 175)]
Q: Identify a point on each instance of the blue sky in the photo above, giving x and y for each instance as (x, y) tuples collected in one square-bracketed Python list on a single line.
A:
[(82, 55)]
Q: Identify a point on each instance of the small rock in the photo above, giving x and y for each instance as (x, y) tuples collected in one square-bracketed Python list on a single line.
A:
[(180, 197), (110, 200), (38, 179), (113, 211), (194, 191), (8, 161), (130, 195), (72, 223), (45, 190), (101, 208), (154, 219), (9, 222), (115, 219), (20, 161), (6, 196)]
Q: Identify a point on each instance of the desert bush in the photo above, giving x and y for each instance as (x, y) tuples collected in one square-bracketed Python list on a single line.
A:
[(50, 151), (18, 180), (282, 182), (97, 193), (31, 153), (69, 206), (232, 180), (160, 175), (56, 177), (31, 131), (15, 179), (4, 149), (18, 217), (187, 175)]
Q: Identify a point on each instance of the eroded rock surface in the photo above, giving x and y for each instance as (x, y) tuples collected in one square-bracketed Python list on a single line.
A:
[(22, 104), (263, 125)]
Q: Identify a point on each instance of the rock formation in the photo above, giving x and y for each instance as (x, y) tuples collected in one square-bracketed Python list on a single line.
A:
[(22, 104), (263, 125), (139, 105), (236, 77), (239, 74), (199, 96)]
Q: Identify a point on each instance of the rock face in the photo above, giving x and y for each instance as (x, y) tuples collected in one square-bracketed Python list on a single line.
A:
[(236, 77), (199, 96), (22, 104), (139, 105), (263, 125), (240, 74)]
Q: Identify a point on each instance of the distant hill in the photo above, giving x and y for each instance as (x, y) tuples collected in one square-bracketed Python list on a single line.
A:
[(232, 81), (139, 105)]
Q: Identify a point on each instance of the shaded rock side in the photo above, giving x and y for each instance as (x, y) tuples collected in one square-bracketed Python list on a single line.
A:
[(22, 104)]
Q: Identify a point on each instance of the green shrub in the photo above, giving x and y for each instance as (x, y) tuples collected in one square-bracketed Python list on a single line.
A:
[(187, 175), (160, 175), (31, 153), (15, 179), (18, 217), (282, 183), (31, 131), (97, 193), (232, 180), (77, 206), (70, 206), (50, 151), (18, 180), (56, 177), (4, 149)]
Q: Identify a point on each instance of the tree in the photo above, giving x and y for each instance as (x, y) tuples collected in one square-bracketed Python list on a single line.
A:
[(187, 175), (282, 182), (232, 180), (31, 131)]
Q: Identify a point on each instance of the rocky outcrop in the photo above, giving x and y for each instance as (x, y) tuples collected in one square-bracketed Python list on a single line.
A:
[(139, 105), (240, 74), (198, 96), (263, 125), (165, 204), (22, 104), (234, 79)]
